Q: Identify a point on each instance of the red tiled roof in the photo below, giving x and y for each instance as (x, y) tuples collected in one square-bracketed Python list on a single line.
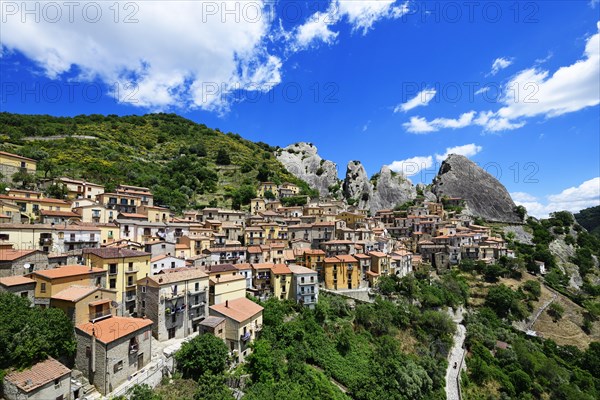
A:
[(281, 269), (74, 293), (68, 270), (11, 255), (110, 329), (15, 281), (38, 375), (239, 309)]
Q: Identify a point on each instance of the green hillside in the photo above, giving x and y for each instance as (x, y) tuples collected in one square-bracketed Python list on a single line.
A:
[(590, 219), (185, 164)]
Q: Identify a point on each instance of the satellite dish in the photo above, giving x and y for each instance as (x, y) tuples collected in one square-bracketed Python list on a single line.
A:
[(26, 266), (114, 304)]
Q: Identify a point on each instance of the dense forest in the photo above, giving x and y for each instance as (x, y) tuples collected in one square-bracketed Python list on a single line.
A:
[(590, 219), (184, 163)]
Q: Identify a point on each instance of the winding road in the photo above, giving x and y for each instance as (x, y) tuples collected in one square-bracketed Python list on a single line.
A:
[(456, 355)]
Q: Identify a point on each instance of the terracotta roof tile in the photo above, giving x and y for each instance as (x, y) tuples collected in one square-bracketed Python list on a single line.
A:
[(74, 293), (68, 270), (239, 309), (11, 255), (110, 329), (38, 375), (15, 281), (281, 269)]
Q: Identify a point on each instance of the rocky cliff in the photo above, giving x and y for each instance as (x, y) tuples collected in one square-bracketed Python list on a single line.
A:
[(303, 161), (384, 190), (485, 196)]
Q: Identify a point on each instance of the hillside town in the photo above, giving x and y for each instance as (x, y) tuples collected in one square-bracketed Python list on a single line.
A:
[(132, 275)]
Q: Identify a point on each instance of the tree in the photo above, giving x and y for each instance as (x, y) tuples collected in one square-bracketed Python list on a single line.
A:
[(142, 392), (29, 335), (500, 298), (556, 311), (269, 195), (202, 354), (57, 191), (242, 196), (223, 157), (591, 359), (25, 179), (534, 288), (212, 387)]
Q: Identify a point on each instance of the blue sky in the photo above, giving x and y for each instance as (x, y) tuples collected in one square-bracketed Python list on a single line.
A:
[(514, 86)]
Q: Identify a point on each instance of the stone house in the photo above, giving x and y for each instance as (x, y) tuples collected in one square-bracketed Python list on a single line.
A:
[(176, 301), (20, 262), (18, 285), (48, 379), (110, 351), (213, 325)]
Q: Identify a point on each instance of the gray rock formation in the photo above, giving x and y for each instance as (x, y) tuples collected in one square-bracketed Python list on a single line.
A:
[(485, 196), (385, 191), (521, 235), (356, 185), (301, 160), (392, 188)]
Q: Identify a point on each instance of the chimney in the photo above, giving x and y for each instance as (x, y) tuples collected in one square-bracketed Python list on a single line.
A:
[(226, 303)]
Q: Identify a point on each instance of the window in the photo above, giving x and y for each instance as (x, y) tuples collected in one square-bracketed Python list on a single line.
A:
[(113, 284), (23, 164), (118, 366), (197, 286), (43, 287), (98, 281), (143, 289)]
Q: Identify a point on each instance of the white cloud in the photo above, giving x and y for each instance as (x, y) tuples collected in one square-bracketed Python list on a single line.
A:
[(572, 199), (522, 196), (532, 93), (467, 150), (421, 125), (414, 165), (499, 64), (421, 99), (360, 14), (176, 55), (316, 29)]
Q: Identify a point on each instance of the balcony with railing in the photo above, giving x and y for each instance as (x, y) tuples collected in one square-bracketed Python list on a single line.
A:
[(246, 336), (133, 348), (98, 315), (172, 295), (131, 270), (194, 291)]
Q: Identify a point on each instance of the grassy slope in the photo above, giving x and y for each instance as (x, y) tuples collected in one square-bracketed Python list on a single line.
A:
[(137, 150)]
